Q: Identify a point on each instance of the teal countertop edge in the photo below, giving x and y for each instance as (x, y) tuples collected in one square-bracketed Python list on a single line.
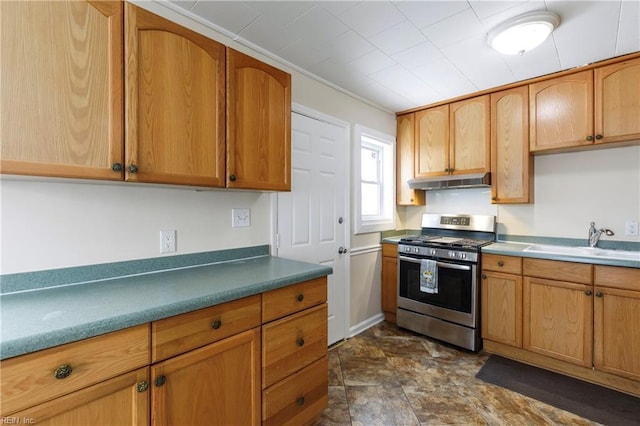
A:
[(48, 316)]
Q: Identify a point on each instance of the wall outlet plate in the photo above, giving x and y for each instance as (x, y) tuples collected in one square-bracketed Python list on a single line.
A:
[(240, 218), (631, 228), (168, 241)]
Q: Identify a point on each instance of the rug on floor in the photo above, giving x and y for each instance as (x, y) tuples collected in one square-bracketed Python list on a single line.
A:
[(587, 400)]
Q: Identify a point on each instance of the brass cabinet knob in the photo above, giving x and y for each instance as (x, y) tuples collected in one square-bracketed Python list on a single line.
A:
[(589, 138), (116, 167), (300, 297), (142, 386), (588, 292), (599, 137), (300, 401), (160, 380), (132, 169), (300, 342), (216, 324), (63, 371), (599, 294), (232, 178), (500, 263), (484, 277)]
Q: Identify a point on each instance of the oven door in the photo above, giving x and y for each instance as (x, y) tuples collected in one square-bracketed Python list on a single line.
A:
[(457, 297)]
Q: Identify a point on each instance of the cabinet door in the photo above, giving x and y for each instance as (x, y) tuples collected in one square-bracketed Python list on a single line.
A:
[(616, 332), (61, 88), (258, 124), (617, 102), (405, 164), (218, 384), (502, 308), (175, 103), (389, 281), (123, 400), (561, 112), (558, 319), (432, 141), (511, 164), (470, 136)]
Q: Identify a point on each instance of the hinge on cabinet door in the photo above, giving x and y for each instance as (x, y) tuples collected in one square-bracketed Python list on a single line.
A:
[(277, 241)]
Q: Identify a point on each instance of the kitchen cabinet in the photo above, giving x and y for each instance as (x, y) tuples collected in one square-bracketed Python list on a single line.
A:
[(501, 299), (175, 103), (586, 108), (511, 162), (207, 366), (295, 382), (558, 309), (453, 138), (69, 124), (405, 162), (389, 281), (258, 124), (616, 311), (75, 383)]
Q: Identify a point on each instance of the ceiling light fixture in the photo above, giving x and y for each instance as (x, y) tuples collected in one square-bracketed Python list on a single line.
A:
[(523, 33)]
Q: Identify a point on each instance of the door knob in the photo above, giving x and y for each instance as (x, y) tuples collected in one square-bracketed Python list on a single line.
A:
[(342, 250)]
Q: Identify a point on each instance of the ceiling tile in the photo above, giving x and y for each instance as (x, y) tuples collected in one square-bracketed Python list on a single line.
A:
[(454, 29), (445, 78), (419, 55), (426, 13), (484, 8), (184, 4), (336, 8), (373, 17), (230, 15), (346, 47), (317, 27), (540, 61), (266, 34), (281, 12), (302, 54), (495, 19), (371, 62), (398, 38)]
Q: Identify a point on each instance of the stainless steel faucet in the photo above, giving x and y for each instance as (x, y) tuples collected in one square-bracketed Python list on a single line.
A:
[(594, 234)]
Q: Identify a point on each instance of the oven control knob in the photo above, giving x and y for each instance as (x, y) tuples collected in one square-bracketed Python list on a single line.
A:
[(407, 249), (452, 254), (463, 255), (416, 250), (433, 252)]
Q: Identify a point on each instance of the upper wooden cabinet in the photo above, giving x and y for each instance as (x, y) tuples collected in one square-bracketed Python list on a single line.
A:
[(258, 124), (511, 163), (405, 162), (453, 138), (175, 98), (585, 108), (62, 101)]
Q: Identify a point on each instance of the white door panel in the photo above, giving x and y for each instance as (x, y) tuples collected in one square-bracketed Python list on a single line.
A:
[(312, 221)]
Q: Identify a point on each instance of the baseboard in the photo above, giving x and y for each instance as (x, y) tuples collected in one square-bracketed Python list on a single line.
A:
[(368, 323)]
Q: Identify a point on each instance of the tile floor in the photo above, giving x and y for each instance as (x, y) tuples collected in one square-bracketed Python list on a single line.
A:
[(392, 377)]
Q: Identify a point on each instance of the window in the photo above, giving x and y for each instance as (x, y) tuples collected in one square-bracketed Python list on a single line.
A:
[(374, 159)]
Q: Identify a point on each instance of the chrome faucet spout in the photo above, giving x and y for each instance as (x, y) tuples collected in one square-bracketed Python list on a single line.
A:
[(595, 234)]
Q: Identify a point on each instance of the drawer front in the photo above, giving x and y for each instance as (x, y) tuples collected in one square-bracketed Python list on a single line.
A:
[(182, 333), (298, 399), (390, 250), (30, 379), (500, 263), (617, 277), (295, 298), (557, 270), (291, 343)]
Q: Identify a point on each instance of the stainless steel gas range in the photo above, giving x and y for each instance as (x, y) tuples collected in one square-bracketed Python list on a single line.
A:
[(439, 277)]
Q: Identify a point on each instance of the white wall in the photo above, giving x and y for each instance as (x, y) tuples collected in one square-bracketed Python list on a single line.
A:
[(570, 190)]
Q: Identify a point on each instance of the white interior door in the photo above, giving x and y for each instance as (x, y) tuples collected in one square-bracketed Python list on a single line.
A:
[(313, 219)]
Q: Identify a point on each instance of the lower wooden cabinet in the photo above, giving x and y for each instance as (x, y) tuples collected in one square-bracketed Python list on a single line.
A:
[(502, 308), (218, 384), (389, 281)]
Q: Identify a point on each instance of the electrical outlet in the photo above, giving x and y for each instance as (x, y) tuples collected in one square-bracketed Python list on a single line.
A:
[(631, 228), (168, 241), (241, 218)]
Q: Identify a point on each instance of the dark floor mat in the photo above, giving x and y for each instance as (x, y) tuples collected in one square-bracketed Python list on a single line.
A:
[(584, 399)]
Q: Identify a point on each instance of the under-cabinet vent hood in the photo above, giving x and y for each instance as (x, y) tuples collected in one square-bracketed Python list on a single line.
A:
[(474, 180)]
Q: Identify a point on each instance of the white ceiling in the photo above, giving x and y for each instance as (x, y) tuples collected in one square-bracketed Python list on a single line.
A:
[(402, 54)]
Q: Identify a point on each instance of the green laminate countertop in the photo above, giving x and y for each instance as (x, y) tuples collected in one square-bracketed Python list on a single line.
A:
[(41, 318)]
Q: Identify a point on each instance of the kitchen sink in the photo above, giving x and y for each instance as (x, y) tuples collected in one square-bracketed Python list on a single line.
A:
[(583, 252)]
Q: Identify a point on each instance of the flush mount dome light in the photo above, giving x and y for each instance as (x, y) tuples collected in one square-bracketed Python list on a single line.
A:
[(523, 33)]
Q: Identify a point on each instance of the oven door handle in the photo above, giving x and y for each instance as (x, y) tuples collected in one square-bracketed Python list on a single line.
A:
[(439, 264)]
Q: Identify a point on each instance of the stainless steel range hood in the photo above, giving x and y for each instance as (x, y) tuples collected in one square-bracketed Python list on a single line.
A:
[(473, 180)]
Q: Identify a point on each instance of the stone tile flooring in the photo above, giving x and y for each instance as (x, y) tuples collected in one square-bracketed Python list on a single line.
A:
[(392, 377)]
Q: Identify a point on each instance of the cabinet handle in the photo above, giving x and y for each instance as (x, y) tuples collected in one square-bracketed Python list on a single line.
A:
[(132, 169), (599, 294), (598, 137), (216, 324), (300, 342), (160, 380), (589, 138), (588, 292), (142, 386), (63, 371), (300, 400), (447, 170), (484, 277), (300, 297), (232, 178), (500, 263), (116, 167)]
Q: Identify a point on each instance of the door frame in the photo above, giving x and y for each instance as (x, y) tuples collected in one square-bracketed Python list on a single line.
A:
[(346, 129)]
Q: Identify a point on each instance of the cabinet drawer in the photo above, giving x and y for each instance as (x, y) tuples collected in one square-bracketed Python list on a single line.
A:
[(182, 333), (389, 249), (295, 298), (500, 263), (298, 399), (617, 277), (292, 343), (557, 270), (30, 379)]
